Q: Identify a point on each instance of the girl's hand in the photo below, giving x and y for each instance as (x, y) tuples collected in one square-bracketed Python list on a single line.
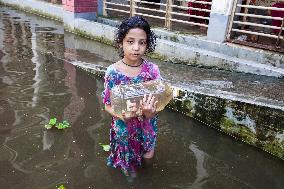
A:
[(149, 106)]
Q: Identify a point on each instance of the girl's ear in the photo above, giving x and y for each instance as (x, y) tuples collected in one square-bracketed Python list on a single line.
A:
[(120, 45)]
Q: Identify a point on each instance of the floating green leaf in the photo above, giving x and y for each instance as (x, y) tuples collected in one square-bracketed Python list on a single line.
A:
[(62, 125), (52, 121), (66, 123), (61, 187), (106, 147)]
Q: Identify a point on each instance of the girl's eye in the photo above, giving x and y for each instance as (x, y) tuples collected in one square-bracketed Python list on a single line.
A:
[(143, 42), (130, 42)]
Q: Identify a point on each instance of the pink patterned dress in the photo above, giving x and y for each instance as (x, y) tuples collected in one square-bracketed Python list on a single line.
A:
[(128, 142)]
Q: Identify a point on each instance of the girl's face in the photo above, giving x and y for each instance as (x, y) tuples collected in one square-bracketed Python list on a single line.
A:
[(134, 45)]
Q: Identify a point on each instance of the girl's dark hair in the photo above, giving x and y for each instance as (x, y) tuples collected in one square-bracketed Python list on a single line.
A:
[(131, 23)]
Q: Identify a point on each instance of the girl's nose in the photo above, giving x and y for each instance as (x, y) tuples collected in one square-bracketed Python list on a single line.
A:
[(136, 46)]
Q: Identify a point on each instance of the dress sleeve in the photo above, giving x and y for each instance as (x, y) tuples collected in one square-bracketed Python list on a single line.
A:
[(156, 72), (108, 84)]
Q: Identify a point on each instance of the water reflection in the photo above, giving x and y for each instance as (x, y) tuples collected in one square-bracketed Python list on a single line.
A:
[(37, 83), (201, 173)]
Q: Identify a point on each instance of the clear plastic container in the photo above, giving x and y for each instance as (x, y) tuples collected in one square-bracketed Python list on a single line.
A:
[(123, 95)]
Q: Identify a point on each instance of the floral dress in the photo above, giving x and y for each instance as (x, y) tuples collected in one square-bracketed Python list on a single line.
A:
[(128, 142)]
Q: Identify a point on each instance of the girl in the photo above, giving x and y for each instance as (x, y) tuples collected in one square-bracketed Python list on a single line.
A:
[(131, 137)]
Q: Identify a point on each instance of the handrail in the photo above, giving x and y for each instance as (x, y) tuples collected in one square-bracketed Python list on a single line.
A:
[(151, 3), (257, 33), (118, 4), (118, 10), (152, 16), (190, 15), (257, 25), (259, 16), (143, 8), (260, 7), (200, 2), (191, 8)]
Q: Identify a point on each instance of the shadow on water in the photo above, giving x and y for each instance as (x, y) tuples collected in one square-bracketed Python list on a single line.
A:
[(37, 83)]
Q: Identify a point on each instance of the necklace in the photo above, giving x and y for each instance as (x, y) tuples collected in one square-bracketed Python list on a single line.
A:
[(132, 65)]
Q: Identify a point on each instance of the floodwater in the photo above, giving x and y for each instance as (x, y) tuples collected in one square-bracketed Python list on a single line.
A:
[(37, 83)]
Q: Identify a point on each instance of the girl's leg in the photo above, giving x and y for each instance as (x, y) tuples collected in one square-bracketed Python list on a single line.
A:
[(148, 158), (149, 155)]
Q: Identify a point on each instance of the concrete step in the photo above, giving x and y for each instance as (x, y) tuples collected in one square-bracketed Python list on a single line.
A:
[(189, 55), (259, 56)]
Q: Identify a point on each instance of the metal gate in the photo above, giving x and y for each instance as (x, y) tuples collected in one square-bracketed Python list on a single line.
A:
[(258, 23), (180, 15)]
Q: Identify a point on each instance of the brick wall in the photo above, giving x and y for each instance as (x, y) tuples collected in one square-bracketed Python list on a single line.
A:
[(80, 6)]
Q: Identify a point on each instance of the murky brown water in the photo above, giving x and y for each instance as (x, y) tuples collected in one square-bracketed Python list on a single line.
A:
[(37, 83)]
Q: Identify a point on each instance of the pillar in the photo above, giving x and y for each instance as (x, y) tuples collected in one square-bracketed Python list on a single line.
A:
[(221, 11), (100, 7), (73, 9)]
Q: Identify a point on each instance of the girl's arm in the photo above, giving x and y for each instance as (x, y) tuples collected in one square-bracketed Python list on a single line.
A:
[(109, 109)]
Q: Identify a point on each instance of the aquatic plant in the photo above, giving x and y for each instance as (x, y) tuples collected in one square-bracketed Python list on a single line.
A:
[(52, 122), (61, 187), (106, 147), (60, 126)]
